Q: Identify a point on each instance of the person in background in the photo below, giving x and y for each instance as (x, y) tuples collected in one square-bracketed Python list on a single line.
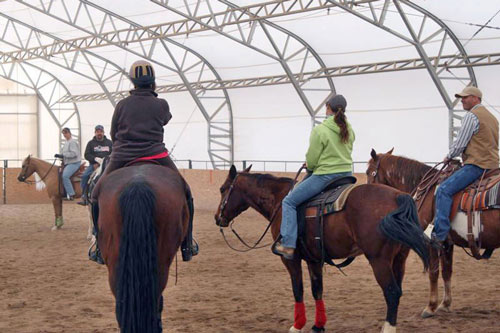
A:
[(71, 161), (100, 146)]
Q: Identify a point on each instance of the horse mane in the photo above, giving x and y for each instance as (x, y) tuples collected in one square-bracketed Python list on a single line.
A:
[(411, 170), (263, 178)]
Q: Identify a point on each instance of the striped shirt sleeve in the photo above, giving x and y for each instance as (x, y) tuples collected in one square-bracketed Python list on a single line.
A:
[(470, 126)]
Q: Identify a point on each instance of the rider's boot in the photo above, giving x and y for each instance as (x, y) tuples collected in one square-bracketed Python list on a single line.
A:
[(189, 247)]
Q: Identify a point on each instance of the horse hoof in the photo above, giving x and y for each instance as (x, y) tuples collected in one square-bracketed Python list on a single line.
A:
[(54, 228), (443, 308), (427, 314), (388, 328), (315, 329), (294, 330)]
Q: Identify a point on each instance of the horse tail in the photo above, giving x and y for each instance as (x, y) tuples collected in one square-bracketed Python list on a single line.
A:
[(402, 226), (137, 287)]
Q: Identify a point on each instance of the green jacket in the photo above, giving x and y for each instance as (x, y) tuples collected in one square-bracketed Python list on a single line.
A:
[(326, 153)]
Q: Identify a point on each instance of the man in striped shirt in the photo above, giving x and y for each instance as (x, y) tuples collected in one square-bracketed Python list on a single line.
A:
[(477, 141)]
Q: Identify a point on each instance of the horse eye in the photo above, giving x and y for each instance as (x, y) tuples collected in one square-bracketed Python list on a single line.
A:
[(374, 173), (221, 190)]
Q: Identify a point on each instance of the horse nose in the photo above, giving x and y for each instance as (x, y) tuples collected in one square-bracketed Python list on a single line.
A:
[(217, 220), (20, 178)]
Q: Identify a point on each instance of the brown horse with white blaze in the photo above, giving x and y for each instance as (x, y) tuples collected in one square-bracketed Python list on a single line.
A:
[(49, 175), (405, 174), (377, 221)]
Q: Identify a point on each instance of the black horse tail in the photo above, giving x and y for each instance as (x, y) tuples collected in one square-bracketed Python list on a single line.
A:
[(137, 291), (402, 226)]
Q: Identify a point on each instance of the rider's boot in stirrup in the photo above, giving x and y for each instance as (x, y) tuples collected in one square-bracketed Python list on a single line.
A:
[(189, 247), (94, 252)]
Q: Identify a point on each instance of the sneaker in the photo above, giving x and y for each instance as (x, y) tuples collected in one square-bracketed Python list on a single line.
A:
[(285, 252)]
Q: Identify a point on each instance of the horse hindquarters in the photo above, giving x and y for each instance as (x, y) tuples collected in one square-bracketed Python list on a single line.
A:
[(137, 286)]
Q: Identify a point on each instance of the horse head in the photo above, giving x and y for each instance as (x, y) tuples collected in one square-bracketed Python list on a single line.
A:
[(233, 201), (373, 172), (27, 169)]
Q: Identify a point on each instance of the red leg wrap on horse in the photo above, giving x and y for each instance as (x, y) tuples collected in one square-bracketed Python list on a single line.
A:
[(320, 314), (300, 315)]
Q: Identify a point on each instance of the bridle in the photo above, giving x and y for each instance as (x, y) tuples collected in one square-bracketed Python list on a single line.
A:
[(271, 220), (30, 182), (374, 173)]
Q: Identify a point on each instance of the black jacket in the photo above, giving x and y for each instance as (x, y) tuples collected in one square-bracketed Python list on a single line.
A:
[(137, 125), (96, 148)]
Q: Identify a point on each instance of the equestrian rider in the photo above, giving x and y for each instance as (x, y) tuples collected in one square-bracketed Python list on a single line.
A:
[(477, 141), (71, 161), (100, 146), (137, 134), (328, 157)]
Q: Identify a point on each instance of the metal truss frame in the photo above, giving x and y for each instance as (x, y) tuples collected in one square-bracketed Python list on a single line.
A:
[(26, 38), (422, 32), (215, 106), (268, 39), (49, 89)]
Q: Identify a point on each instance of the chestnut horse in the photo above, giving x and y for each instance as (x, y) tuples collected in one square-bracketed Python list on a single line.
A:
[(375, 221), (48, 174), (405, 174), (142, 220)]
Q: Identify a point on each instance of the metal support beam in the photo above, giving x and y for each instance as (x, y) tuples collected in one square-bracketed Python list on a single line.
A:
[(215, 106), (49, 90), (266, 38), (445, 62), (422, 30)]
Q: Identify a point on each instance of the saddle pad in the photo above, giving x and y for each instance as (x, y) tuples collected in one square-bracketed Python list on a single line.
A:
[(483, 200), (333, 200)]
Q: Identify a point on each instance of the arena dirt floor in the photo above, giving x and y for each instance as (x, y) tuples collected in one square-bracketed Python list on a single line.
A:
[(47, 284)]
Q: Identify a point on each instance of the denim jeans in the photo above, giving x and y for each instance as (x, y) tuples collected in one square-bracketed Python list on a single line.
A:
[(300, 194), (68, 171), (444, 196), (85, 178)]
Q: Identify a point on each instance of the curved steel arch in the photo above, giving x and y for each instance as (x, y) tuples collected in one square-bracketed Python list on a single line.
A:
[(280, 52), (46, 85), (219, 117), (419, 37)]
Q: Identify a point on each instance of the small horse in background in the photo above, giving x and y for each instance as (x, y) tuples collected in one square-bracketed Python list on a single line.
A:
[(377, 221), (406, 174), (143, 218), (48, 174)]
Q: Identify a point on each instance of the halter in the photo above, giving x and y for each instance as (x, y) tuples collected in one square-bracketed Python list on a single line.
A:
[(273, 215), (41, 179)]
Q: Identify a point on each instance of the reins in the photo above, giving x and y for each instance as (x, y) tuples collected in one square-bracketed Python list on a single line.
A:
[(30, 182), (428, 180), (271, 220)]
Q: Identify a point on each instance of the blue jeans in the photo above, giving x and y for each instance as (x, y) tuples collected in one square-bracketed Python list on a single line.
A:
[(85, 178), (68, 171), (300, 194), (444, 196)]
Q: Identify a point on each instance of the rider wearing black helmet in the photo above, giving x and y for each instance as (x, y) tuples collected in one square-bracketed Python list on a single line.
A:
[(137, 134)]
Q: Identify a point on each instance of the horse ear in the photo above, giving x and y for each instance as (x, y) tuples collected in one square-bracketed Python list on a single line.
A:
[(390, 151), (374, 154), (232, 172), (248, 169)]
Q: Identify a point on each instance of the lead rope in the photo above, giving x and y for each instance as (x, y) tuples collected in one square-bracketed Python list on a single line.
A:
[(255, 246)]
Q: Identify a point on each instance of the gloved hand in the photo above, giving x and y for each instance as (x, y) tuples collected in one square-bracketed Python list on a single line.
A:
[(58, 155)]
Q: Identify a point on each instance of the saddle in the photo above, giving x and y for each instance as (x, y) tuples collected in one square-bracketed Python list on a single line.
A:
[(331, 200), (75, 178), (481, 195)]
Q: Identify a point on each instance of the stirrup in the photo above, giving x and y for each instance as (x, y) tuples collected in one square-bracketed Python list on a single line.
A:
[(95, 253)]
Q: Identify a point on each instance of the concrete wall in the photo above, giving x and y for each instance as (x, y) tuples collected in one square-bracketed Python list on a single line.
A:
[(205, 185)]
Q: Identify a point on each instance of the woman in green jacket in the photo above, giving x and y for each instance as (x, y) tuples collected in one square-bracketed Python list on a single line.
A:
[(328, 157)]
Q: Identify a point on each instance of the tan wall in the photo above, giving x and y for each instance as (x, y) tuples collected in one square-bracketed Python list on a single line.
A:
[(205, 185)]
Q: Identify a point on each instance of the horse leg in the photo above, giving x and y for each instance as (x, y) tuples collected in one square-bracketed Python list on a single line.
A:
[(431, 308), (316, 275), (160, 309), (382, 268), (294, 268), (57, 203), (446, 270), (399, 264)]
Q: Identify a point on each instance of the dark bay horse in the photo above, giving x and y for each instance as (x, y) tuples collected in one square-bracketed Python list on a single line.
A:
[(48, 174), (375, 221), (143, 217), (405, 174)]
